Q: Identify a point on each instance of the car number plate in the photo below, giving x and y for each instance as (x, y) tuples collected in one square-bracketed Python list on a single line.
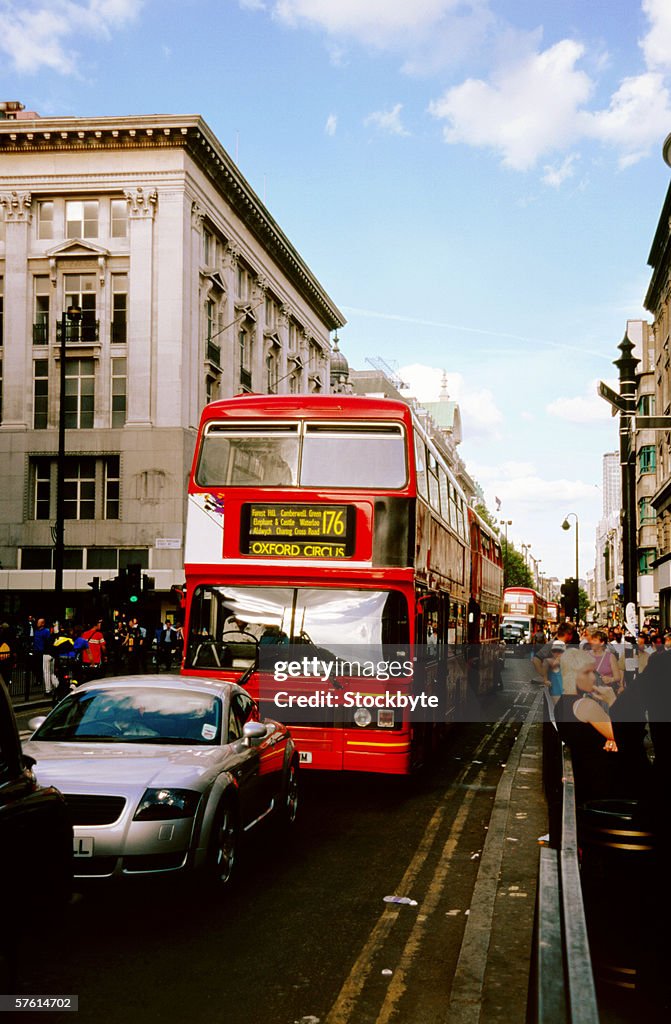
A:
[(305, 756), (82, 846)]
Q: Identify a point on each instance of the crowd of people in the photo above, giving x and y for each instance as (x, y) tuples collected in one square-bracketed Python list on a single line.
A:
[(63, 656), (612, 706)]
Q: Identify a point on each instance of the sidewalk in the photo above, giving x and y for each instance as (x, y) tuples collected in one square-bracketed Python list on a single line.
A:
[(492, 978)]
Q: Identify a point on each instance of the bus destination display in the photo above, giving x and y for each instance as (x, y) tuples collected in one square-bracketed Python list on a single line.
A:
[(297, 531)]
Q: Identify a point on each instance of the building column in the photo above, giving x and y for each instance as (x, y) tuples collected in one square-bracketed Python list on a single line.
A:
[(17, 342), (259, 378), (142, 208), (230, 359), (283, 332)]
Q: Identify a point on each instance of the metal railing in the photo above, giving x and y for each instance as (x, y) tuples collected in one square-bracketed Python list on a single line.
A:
[(563, 982)]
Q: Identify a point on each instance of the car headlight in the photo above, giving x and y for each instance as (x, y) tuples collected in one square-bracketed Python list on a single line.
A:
[(362, 717), (164, 804)]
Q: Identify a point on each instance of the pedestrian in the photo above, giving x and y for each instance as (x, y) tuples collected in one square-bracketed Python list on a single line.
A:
[(584, 724), (134, 644), (95, 656), (7, 653), (606, 663), (166, 639), (42, 653)]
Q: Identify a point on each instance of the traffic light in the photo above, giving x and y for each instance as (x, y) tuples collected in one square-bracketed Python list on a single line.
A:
[(148, 584), (94, 584), (134, 582), (571, 598)]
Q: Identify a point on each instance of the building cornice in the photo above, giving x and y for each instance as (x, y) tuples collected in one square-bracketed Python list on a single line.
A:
[(191, 133)]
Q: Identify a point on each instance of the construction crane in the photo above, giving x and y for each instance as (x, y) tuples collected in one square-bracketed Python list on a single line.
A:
[(379, 364)]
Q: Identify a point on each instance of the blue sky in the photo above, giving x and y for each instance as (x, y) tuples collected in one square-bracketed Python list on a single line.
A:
[(476, 183)]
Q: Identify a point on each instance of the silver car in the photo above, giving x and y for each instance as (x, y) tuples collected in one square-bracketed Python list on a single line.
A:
[(161, 774)]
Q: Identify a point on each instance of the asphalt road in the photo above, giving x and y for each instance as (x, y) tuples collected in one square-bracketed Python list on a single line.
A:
[(306, 935)]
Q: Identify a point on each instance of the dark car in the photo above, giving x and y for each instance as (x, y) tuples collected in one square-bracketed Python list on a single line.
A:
[(35, 842), (512, 634)]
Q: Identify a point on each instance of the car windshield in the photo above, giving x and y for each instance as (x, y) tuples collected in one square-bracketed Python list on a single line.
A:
[(135, 715)]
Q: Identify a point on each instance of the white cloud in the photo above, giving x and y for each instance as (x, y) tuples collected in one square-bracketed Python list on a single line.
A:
[(638, 116), (331, 124), (40, 34), (481, 417), (587, 408), (388, 120), (375, 22), (520, 483), (558, 174), (656, 45), (528, 110)]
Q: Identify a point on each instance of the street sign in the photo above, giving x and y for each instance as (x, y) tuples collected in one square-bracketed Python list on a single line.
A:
[(617, 402), (653, 423)]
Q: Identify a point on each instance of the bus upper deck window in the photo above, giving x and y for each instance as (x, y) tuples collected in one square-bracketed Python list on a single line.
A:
[(354, 454), (249, 455)]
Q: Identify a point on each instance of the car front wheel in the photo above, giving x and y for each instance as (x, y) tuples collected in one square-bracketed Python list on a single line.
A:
[(224, 844)]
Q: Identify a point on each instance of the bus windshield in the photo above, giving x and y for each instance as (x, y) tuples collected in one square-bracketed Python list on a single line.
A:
[(228, 623), (330, 454)]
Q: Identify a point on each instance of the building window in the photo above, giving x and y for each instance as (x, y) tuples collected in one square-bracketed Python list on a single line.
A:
[(119, 218), (112, 487), (40, 394), (79, 489), (646, 557), (209, 249), (79, 393), (211, 317), (102, 558), (42, 489), (211, 388), (242, 283), (646, 513), (81, 218), (80, 291), (119, 308), (45, 219), (271, 312), (245, 345), (646, 459), (272, 372), (646, 405), (41, 317), (118, 392), (91, 487)]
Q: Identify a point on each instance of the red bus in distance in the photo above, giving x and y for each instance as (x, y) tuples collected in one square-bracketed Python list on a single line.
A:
[(334, 521)]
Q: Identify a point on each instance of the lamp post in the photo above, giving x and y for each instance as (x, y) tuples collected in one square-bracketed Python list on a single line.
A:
[(71, 315), (567, 526), (505, 523)]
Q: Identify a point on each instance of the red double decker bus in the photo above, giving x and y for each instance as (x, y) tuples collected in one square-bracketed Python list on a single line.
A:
[(525, 608), (333, 523)]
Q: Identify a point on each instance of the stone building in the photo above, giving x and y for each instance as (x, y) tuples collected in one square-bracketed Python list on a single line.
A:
[(658, 302), (188, 291)]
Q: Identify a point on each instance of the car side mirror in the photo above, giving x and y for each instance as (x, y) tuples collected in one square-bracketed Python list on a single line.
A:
[(35, 723), (253, 733), (28, 761)]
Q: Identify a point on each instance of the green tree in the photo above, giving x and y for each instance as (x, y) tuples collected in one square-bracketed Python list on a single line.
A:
[(485, 514), (583, 604), (516, 573)]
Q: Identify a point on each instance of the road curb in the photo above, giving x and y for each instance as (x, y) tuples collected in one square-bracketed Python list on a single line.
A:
[(491, 980)]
